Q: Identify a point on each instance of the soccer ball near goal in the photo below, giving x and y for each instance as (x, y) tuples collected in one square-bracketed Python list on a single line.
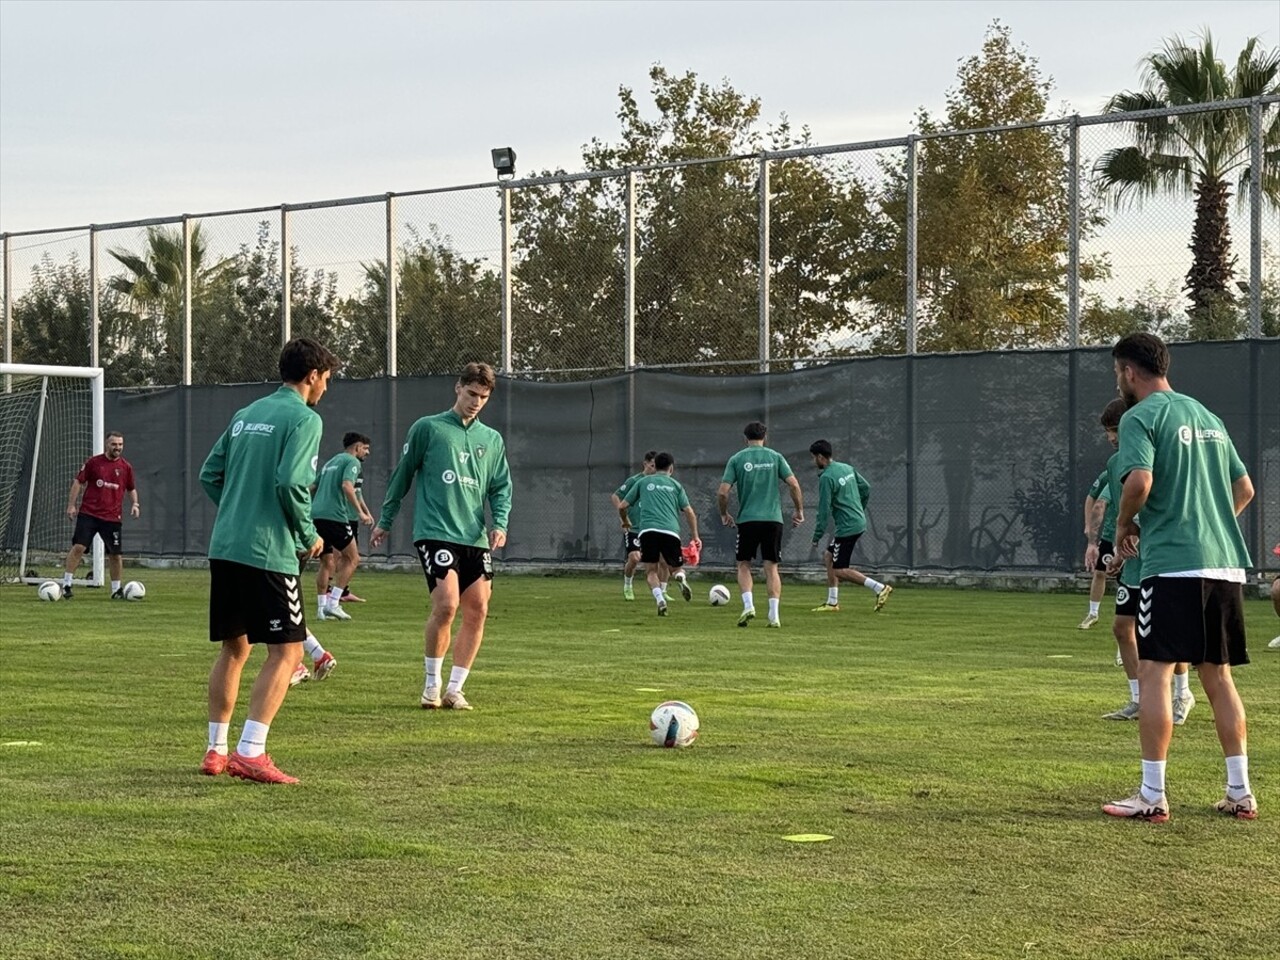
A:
[(50, 590), (133, 590), (673, 724), (719, 595)]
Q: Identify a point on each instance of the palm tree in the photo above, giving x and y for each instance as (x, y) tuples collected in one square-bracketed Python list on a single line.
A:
[(1196, 154)]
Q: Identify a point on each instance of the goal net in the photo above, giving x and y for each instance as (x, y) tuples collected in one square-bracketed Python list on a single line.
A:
[(51, 421)]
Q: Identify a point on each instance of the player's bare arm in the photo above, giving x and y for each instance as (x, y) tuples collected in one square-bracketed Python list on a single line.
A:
[(73, 500), (135, 511), (722, 501), (1241, 492), (797, 501)]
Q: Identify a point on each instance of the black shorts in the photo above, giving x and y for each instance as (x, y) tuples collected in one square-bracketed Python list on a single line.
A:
[(336, 533), (762, 535), (1126, 600), (841, 550), (1191, 619), (263, 605), (468, 564), (1106, 551), (87, 526), (630, 542), (658, 543)]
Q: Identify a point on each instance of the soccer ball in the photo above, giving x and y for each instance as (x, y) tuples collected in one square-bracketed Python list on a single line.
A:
[(673, 724), (719, 595), (133, 590), (50, 590)]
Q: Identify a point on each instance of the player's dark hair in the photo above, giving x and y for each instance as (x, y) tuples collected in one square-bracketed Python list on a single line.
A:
[(664, 460), (302, 355), (821, 448), (755, 430), (114, 433), (650, 456), (478, 373), (352, 437), (1111, 414), (1145, 351)]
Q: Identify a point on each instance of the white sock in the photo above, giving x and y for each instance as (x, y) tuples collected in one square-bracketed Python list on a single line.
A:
[(457, 677), (663, 585), (1238, 776), (434, 666), (115, 585), (335, 594), (1152, 780), (626, 581), (253, 740), (1181, 684), (1133, 690), (66, 578), (747, 602), (1093, 607), (773, 608), (657, 595), (322, 602), (311, 647), (875, 586), (833, 596), (679, 574), (218, 737)]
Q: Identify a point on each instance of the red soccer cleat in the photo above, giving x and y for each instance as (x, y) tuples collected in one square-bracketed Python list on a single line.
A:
[(258, 769), (213, 764)]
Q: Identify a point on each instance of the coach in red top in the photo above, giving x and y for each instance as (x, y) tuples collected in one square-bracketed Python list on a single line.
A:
[(104, 478)]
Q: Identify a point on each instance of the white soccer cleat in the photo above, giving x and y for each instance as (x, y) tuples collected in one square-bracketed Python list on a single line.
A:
[(430, 698), (1139, 807), (300, 675), (456, 701), (1089, 620), (1274, 644), (1181, 707), (335, 612)]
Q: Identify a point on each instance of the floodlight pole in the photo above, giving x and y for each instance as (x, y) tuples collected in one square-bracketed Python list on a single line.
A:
[(95, 318), (187, 284), (392, 283), (505, 194), (1255, 218), (912, 241), (8, 310), (765, 336), (286, 279), (629, 294), (1073, 234)]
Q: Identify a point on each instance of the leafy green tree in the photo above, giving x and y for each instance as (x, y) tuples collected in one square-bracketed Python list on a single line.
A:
[(52, 316), (1150, 310), (1198, 154), (697, 240), (992, 213), (447, 312)]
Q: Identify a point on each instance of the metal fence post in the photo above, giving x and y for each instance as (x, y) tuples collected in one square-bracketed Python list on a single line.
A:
[(8, 306), (94, 319), (912, 243), (1255, 219), (765, 337), (1073, 235), (186, 299), (629, 295), (505, 194), (286, 279), (392, 283)]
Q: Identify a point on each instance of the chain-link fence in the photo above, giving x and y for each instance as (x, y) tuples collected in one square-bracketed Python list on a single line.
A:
[(1056, 233)]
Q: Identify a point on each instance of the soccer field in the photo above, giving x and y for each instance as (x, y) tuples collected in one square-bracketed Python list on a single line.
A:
[(951, 746)]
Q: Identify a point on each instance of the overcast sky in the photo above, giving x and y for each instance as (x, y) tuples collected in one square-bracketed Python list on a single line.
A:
[(113, 111)]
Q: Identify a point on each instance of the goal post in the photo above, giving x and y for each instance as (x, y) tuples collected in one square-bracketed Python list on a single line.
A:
[(52, 419)]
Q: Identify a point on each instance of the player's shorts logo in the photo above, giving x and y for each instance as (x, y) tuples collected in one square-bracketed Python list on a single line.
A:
[(1185, 435), (449, 477), (444, 558), (748, 467), (1122, 594), (1107, 558), (237, 427)]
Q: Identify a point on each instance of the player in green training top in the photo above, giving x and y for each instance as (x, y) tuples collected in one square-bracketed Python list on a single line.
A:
[(1124, 626), (756, 473), (1183, 474), (659, 500), (842, 495), (630, 537), (339, 509), (1099, 528), (259, 474), (461, 466)]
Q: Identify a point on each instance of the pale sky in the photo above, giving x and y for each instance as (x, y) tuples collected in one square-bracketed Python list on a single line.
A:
[(115, 111)]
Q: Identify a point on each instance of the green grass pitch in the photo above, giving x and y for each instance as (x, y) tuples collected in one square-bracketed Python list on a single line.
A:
[(950, 745)]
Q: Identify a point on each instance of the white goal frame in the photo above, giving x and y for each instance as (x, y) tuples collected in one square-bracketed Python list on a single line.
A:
[(97, 382)]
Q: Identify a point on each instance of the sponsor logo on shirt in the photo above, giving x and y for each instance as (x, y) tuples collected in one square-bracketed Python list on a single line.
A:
[(1202, 434), (240, 427), (108, 484), (749, 466), (449, 477), (842, 481)]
